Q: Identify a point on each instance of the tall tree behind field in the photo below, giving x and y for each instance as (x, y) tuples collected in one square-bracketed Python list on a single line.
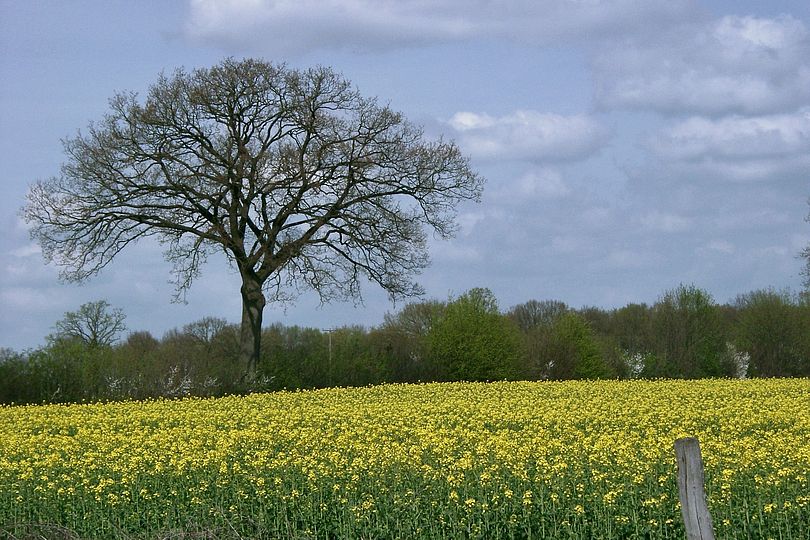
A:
[(690, 341), (773, 329), (534, 313), (574, 352), (473, 341), (403, 341), (536, 319), (632, 328), (96, 324), (298, 179)]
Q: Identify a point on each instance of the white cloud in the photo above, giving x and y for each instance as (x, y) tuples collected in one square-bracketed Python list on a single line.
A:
[(665, 222), (26, 251), (719, 246), (767, 252), (742, 222), (468, 220), (456, 252), (748, 171), (628, 258), (736, 137), (570, 244), (738, 148), (597, 217), (798, 242), (542, 183), (27, 299), (734, 64), (295, 26), (528, 135)]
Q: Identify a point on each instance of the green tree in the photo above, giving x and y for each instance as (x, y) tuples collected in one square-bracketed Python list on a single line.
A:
[(298, 179), (597, 318), (206, 330), (631, 327), (136, 367), (354, 362), (771, 328), (15, 384), (689, 336), (473, 341), (301, 357), (574, 352), (403, 341), (536, 319)]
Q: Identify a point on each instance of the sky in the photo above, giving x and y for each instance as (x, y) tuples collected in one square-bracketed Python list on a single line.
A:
[(629, 146)]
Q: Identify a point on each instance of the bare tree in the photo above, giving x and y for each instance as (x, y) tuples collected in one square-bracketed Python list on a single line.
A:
[(534, 313), (206, 329), (297, 178), (416, 319), (95, 323)]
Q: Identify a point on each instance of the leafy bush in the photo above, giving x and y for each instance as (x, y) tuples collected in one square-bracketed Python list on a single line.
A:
[(574, 352), (473, 341)]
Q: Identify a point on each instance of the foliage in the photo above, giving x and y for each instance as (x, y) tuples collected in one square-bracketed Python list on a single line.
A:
[(402, 341), (632, 328), (536, 320), (573, 351), (690, 338), (577, 459), (310, 358), (472, 341), (772, 329), (297, 357), (684, 335)]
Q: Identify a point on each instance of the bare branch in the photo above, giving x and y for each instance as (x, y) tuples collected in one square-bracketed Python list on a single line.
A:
[(297, 178), (94, 323)]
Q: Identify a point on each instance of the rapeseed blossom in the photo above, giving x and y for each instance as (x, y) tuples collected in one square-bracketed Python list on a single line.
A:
[(507, 459)]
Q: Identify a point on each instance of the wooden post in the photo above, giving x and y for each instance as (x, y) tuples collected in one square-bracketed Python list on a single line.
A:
[(695, 512)]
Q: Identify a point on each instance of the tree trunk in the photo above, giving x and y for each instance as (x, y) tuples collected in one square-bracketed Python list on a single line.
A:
[(253, 302)]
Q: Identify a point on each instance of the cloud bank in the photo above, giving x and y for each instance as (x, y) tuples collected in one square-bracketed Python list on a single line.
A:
[(734, 64), (528, 135), (300, 26), (738, 147)]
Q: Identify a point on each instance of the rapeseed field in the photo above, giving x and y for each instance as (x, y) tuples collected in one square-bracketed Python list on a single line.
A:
[(453, 460)]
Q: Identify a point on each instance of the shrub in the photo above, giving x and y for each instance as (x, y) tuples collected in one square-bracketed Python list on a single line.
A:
[(473, 341), (574, 352)]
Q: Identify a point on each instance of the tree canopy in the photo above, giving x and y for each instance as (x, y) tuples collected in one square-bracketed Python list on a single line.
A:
[(95, 323), (297, 178)]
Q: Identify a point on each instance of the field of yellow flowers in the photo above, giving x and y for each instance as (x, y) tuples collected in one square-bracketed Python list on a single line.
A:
[(453, 460)]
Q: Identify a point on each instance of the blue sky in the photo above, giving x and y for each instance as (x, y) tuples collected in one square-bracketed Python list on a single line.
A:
[(628, 145)]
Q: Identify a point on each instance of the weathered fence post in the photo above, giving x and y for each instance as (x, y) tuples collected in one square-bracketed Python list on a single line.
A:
[(695, 512)]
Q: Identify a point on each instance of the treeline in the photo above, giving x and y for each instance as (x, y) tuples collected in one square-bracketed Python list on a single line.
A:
[(685, 334)]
